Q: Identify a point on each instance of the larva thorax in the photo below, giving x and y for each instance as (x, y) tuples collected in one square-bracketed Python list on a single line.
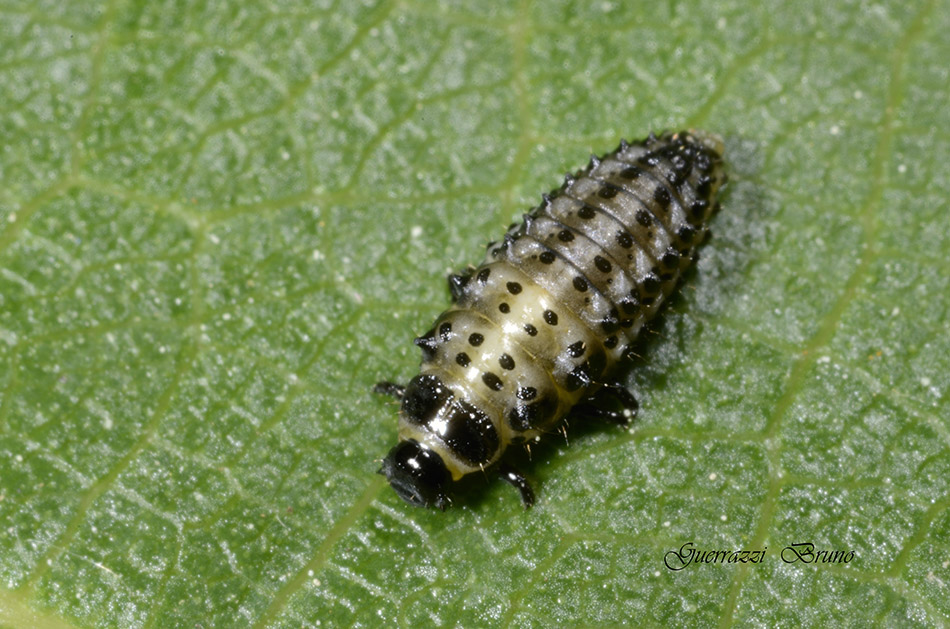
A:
[(553, 308)]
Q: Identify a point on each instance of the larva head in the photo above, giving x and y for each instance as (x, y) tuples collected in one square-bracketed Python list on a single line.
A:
[(417, 474)]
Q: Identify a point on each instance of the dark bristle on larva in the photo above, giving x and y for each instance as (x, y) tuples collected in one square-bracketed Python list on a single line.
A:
[(537, 331)]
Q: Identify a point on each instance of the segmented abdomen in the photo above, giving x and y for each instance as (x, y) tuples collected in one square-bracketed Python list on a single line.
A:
[(557, 303)]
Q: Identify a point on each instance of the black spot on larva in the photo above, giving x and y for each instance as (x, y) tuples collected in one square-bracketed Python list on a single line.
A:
[(577, 378), (698, 208), (662, 196), (492, 381), (528, 416), (681, 167), (639, 224), (670, 259), (470, 434), (630, 305), (686, 233), (424, 396), (651, 285), (703, 163), (527, 393)]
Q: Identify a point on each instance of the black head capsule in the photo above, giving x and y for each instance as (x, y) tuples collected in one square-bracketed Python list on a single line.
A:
[(417, 474)]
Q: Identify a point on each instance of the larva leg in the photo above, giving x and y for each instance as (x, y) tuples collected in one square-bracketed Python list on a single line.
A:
[(390, 388), (622, 395), (595, 406), (592, 410), (515, 478)]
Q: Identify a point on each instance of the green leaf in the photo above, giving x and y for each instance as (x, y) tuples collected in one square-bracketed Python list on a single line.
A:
[(221, 223)]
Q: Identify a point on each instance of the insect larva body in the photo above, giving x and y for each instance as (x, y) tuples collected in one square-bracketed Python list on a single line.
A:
[(537, 328)]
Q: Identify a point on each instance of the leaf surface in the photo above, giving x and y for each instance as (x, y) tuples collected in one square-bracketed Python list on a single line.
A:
[(221, 223)]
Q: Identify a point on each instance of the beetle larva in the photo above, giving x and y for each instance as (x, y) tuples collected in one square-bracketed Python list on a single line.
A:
[(535, 331)]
